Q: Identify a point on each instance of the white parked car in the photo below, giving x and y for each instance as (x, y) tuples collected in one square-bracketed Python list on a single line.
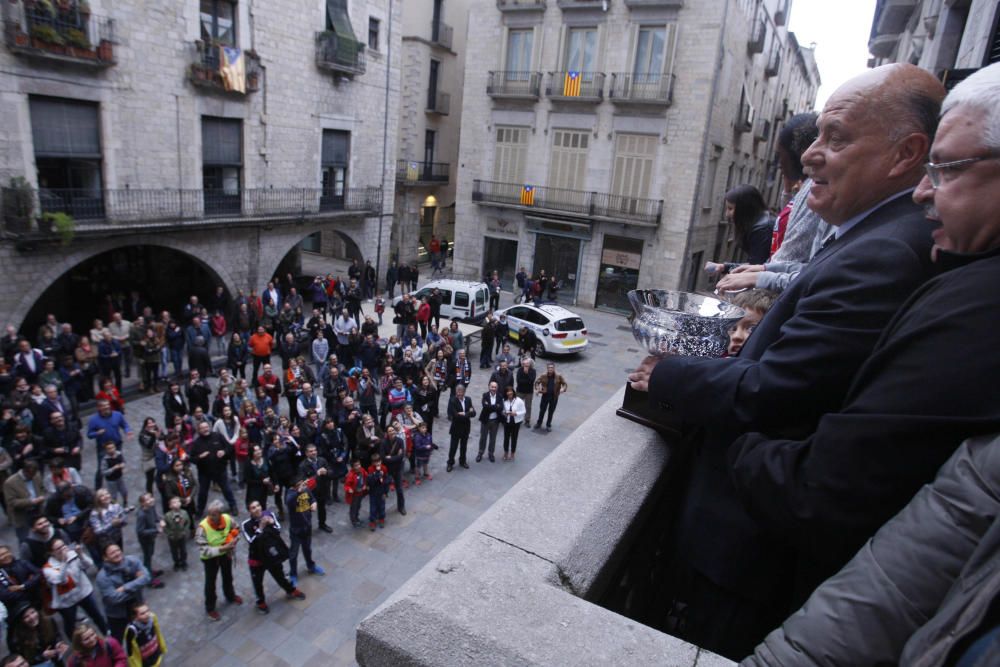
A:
[(460, 299), (559, 331)]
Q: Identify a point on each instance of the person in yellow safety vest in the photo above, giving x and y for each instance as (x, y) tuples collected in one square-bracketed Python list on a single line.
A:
[(217, 538)]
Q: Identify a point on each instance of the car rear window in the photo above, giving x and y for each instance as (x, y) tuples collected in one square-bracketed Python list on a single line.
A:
[(445, 296), (569, 324)]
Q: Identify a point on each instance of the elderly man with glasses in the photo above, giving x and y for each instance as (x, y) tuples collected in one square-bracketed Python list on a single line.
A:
[(929, 384)]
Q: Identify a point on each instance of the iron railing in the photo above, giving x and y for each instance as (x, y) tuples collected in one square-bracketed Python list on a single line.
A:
[(521, 5), (580, 4), (413, 171), (339, 54), (438, 102), (589, 88), (642, 88), (758, 36), (183, 206), (773, 63), (763, 131), (514, 84), (441, 34), (205, 70), (593, 204), (638, 4), (66, 33)]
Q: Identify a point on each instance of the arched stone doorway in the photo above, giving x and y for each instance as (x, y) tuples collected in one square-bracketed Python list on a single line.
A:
[(164, 277)]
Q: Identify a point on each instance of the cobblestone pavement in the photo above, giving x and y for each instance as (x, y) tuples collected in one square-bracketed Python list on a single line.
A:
[(363, 568)]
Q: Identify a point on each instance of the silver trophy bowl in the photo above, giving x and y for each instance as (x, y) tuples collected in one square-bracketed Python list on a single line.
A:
[(670, 322)]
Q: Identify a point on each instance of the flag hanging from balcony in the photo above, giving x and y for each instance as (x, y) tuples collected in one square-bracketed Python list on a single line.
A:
[(571, 84), (232, 67), (527, 195)]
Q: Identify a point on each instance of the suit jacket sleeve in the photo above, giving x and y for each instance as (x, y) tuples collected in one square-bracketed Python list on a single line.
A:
[(831, 328)]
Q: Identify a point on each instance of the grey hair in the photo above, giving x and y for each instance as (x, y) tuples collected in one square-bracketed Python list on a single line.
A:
[(981, 92), (215, 506)]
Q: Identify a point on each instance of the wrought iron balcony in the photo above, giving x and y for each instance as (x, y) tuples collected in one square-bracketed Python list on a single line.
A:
[(514, 85), (108, 210), (413, 172), (758, 35), (571, 86), (596, 205), (441, 34), (66, 34), (781, 13), (521, 5), (338, 54), (206, 70), (438, 102), (773, 64), (580, 4), (632, 88), (639, 4), (763, 129)]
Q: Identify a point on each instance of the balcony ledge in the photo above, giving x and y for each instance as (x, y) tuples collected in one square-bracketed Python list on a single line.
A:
[(521, 5), (513, 588)]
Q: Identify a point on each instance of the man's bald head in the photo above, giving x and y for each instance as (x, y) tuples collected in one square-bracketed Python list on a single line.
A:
[(903, 98)]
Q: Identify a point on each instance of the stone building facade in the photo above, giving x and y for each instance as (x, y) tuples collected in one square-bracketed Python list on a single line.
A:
[(122, 116), (431, 85), (598, 137), (951, 38)]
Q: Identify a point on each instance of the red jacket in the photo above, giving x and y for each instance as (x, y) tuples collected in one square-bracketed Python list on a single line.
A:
[(424, 313), (354, 485)]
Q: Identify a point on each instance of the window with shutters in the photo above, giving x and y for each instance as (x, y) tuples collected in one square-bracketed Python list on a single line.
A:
[(568, 168), (67, 141), (511, 154), (335, 159), (633, 168), (222, 164)]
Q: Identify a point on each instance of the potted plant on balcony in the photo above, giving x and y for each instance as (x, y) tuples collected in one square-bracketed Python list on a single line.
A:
[(78, 44), (105, 51), (64, 224), (46, 37), (18, 205)]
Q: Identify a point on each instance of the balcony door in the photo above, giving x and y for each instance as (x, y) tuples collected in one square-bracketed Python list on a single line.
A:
[(652, 64), (222, 165), (633, 170), (218, 27), (432, 85), (518, 60), (67, 142), (581, 52), (430, 138), (510, 158), (336, 157), (568, 169)]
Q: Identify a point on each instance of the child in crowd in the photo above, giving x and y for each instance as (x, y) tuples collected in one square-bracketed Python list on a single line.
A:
[(423, 445), (756, 303), (379, 307), (143, 642), (378, 488), (113, 471), (354, 490), (242, 451), (147, 526), (177, 526)]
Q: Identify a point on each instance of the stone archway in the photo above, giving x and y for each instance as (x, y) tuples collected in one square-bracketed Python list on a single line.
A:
[(279, 247), (56, 281)]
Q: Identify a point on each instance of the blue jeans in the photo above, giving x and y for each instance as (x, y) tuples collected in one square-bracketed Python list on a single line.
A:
[(175, 359), (376, 507), (299, 540)]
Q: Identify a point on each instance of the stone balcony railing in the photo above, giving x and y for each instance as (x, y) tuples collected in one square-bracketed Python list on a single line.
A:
[(30, 213), (546, 574)]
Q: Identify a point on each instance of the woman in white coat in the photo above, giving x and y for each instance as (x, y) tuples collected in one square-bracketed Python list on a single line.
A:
[(513, 416), (65, 572)]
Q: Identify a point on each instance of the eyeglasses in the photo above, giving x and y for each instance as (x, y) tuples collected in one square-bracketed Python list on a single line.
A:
[(936, 171)]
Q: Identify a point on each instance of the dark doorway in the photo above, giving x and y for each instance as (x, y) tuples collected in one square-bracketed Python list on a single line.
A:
[(619, 273), (165, 279), (559, 257), (500, 255)]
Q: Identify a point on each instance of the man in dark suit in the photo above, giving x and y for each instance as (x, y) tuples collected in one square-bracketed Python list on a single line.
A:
[(489, 421), (460, 412), (929, 384), (733, 577)]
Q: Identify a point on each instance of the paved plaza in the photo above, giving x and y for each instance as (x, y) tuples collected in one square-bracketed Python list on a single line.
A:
[(362, 567)]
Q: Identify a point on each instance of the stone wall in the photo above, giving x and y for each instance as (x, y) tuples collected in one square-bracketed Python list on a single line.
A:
[(516, 587)]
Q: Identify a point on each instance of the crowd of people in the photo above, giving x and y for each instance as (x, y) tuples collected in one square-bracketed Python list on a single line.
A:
[(842, 474), (330, 407)]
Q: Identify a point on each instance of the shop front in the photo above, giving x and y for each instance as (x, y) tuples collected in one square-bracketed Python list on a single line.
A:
[(618, 274), (558, 246)]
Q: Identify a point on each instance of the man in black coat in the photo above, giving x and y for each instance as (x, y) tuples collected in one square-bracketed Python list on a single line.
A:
[(197, 392), (929, 384), (211, 455), (733, 577), (489, 421), (460, 412)]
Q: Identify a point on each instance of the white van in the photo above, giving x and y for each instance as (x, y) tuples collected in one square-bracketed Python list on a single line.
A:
[(462, 300)]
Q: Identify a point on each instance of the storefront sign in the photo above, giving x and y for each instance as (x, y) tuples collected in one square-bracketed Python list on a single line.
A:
[(497, 226), (627, 260)]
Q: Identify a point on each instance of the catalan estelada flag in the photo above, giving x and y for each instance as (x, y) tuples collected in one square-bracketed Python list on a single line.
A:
[(571, 84), (232, 69), (527, 195)]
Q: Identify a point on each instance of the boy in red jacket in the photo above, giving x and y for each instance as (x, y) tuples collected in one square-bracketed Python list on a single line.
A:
[(378, 486), (354, 490)]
